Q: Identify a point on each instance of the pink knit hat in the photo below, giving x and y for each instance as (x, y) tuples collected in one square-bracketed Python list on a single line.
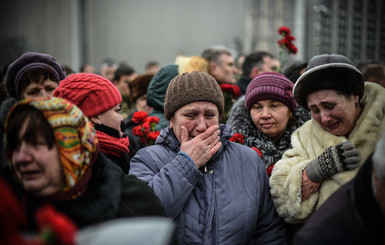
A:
[(270, 86), (92, 93)]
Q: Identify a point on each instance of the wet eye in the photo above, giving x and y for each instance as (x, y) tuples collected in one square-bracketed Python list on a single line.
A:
[(49, 88), (315, 111), (33, 92)]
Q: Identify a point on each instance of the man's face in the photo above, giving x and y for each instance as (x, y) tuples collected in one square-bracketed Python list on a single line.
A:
[(225, 71)]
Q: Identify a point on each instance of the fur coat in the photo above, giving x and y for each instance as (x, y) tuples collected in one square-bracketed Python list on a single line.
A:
[(241, 122), (308, 142)]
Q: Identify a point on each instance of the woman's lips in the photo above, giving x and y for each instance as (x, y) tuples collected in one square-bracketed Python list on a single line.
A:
[(30, 175), (267, 125)]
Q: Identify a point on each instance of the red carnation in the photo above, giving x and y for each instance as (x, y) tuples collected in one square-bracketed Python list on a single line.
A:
[(57, 228), (139, 117), (284, 30), (151, 136), (238, 138), (270, 169), (152, 119), (257, 150)]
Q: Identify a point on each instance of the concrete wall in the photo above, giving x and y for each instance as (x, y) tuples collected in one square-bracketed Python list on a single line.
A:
[(135, 31)]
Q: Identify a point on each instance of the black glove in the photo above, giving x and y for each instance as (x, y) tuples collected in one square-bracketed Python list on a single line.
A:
[(341, 157)]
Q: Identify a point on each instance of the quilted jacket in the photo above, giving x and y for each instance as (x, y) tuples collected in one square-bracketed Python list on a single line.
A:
[(228, 204)]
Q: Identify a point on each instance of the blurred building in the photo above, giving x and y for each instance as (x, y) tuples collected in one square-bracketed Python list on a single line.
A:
[(137, 31)]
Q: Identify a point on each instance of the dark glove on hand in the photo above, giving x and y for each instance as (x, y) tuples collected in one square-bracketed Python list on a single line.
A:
[(341, 157)]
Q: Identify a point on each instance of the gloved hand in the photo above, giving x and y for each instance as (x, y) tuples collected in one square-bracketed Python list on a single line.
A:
[(338, 158)]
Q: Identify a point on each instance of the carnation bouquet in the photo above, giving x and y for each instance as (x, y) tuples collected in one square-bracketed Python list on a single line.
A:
[(286, 45), (146, 129)]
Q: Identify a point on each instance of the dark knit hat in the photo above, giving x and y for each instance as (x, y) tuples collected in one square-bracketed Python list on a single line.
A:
[(139, 85), (192, 87), (92, 93), (270, 86), (27, 62), (328, 71)]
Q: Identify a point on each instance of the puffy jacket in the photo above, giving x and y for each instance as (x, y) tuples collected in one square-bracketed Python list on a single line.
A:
[(228, 204)]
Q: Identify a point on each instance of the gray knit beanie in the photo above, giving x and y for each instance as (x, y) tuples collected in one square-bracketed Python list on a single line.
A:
[(192, 87)]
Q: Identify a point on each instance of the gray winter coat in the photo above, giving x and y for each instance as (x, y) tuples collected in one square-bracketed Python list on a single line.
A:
[(228, 204)]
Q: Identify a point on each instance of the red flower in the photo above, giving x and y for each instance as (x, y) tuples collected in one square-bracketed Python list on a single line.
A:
[(257, 150), (231, 88), (146, 129), (270, 169), (139, 117), (56, 227), (284, 30), (238, 138), (152, 119), (286, 44), (137, 131), (151, 136)]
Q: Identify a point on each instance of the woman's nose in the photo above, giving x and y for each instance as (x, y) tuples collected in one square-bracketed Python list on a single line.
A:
[(201, 124), (23, 155)]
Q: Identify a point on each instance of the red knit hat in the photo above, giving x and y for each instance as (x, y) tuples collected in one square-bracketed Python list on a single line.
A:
[(92, 93)]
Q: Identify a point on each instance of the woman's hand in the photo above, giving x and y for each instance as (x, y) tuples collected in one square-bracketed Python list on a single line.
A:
[(203, 146)]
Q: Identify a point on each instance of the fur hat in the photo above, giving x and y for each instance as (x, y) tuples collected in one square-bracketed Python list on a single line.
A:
[(191, 63), (192, 87), (139, 85), (328, 71), (92, 93), (270, 86), (27, 62)]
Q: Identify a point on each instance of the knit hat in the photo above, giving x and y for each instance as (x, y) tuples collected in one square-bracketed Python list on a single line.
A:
[(270, 86), (27, 62), (328, 71), (139, 85), (192, 87), (92, 93), (75, 138)]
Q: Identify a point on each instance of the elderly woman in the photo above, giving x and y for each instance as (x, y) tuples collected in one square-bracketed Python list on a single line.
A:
[(31, 75), (267, 115), (99, 99), (215, 190), (54, 153), (347, 120)]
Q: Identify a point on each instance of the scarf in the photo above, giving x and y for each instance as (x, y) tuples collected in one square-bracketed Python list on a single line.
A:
[(75, 138), (110, 141)]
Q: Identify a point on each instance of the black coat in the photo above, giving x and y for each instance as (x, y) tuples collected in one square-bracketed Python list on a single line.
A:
[(350, 216), (110, 194)]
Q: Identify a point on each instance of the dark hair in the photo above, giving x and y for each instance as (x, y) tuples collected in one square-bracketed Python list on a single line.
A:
[(151, 64), (123, 70), (37, 126), (214, 54), (254, 59), (293, 72), (36, 75)]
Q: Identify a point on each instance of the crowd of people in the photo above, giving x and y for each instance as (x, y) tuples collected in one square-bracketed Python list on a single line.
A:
[(297, 158)]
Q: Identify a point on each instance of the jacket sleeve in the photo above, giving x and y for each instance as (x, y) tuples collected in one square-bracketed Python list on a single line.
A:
[(270, 227), (172, 176), (286, 180)]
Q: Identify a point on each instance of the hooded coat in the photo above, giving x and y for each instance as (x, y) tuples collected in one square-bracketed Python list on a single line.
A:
[(156, 92), (308, 142), (228, 204)]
